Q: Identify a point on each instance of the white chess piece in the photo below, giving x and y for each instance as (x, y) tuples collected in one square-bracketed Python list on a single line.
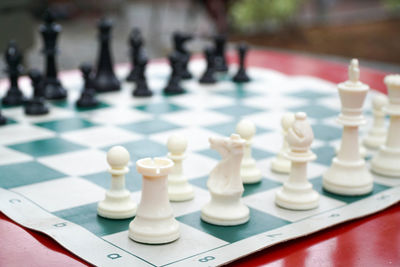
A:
[(225, 184), (179, 188), (117, 203), (154, 222), (387, 160), (377, 134), (248, 170), (297, 193), (348, 174), (280, 163)]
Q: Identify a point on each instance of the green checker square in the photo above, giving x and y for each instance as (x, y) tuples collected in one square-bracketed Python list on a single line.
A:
[(316, 111), (232, 234), (20, 174), (150, 126), (70, 105), (239, 92), (47, 147), (65, 125), (310, 94), (86, 216), (325, 154), (160, 108), (326, 132), (238, 110), (249, 189), (317, 185), (144, 148), (228, 128), (133, 180)]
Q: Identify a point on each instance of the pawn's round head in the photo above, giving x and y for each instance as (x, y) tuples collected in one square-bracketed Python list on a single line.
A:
[(177, 144), (287, 121), (379, 101), (118, 157), (246, 129)]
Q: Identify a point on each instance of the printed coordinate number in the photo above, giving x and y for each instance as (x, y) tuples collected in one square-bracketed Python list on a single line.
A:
[(206, 259)]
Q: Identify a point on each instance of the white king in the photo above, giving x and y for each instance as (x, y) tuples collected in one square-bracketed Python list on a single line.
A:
[(348, 174)]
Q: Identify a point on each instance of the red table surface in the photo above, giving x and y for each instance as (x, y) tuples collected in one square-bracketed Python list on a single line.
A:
[(370, 241)]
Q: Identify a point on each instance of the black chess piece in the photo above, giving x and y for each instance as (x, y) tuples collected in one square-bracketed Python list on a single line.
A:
[(53, 88), (173, 86), (180, 40), (135, 42), (3, 120), (142, 89), (88, 95), (105, 79), (13, 58), (241, 76), (219, 57), (209, 75), (36, 105)]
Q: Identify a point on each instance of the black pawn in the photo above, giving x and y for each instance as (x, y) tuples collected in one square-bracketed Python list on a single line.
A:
[(135, 43), (105, 79), (180, 40), (173, 86), (141, 89), (52, 85), (219, 57), (36, 105), (13, 59), (88, 95), (209, 75), (241, 76)]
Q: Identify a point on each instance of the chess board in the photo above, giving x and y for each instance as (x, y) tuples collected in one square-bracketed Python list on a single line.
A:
[(53, 168)]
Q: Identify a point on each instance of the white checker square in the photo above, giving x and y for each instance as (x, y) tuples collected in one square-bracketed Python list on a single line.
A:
[(124, 98), (114, 116), (201, 100), (265, 201), (274, 103), (55, 113), (197, 137), (82, 162), (10, 156), (163, 254), (101, 136), (196, 118), (64, 193), (20, 133), (201, 197)]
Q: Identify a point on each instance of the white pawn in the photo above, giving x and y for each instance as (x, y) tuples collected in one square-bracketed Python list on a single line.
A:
[(297, 193), (248, 170), (280, 163), (154, 222), (377, 134), (117, 203), (179, 188), (225, 184), (387, 160)]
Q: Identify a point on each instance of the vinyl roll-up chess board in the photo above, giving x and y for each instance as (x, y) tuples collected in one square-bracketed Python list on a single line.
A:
[(53, 168)]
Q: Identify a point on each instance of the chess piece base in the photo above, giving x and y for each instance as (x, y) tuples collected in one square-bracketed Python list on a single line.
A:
[(54, 91), (249, 172), (386, 162), (87, 101), (3, 120), (363, 151), (297, 198), (154, 230), (106, 84), (225, 210), (280, 165), (14, 97), (36, 108), (348, 178), (178, 192), (241, 77), (207, 79), (142, 93), (117, 206)]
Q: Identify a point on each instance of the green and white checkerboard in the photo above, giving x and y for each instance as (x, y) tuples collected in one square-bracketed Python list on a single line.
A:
[(53, 168)]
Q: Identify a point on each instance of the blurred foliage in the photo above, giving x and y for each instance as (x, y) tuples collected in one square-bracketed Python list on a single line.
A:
[(392, 4), (248, 13)]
